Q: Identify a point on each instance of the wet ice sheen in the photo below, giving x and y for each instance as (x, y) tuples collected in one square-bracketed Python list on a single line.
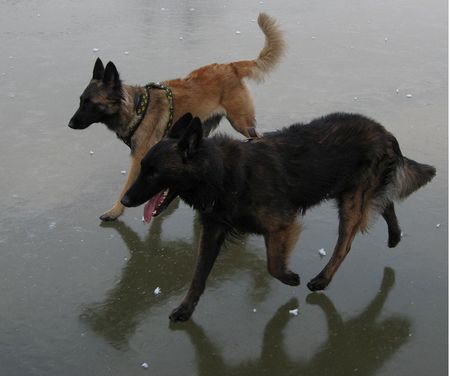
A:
[(78, 297)]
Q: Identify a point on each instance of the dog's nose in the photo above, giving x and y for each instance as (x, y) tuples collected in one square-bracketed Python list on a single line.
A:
[(125, 201), (71, 124)]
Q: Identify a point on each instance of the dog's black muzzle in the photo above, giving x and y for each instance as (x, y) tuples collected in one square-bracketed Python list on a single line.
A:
[(126, 201), (77, 125)]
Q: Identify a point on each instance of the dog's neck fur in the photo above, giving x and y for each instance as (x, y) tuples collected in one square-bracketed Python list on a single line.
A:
[(121, 121), (211, 184)]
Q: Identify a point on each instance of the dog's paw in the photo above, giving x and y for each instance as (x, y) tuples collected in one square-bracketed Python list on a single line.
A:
[(112, 214), (394, 239), (290, 278), (318, 283), (181, 313), (105, 217)]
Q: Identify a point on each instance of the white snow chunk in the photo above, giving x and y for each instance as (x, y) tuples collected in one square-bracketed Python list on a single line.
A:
[(408, 95), (294, 312), (322, 252), (157, 291), (91, 152), (126, 53), (254, 309), (123, 172), (180, 38), (144, 365), (95, 49), (237, 32), (438, 225)]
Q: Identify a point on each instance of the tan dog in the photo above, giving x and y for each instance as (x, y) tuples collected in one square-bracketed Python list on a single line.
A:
[(140, 115)]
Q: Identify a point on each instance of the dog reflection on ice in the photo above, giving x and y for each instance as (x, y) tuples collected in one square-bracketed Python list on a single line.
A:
[(360, 345)]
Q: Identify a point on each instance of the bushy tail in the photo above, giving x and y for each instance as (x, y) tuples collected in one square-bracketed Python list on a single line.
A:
[(410, 176), (269, 56)]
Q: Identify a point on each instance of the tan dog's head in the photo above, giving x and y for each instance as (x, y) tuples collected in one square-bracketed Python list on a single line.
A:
[(101, 100)]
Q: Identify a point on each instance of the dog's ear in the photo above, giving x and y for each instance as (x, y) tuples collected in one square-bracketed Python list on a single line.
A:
[(180, 126), (191, 139), (111, 76), (99, 70)]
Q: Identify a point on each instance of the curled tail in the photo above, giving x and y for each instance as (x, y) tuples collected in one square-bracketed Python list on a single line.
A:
[(269, 56), (410, 176)]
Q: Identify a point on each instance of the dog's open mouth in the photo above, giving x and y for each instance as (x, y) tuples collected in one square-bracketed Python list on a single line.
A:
[(157, 204)]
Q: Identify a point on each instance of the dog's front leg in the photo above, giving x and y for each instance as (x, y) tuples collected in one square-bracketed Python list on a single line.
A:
[(117, 210), (212, 239)]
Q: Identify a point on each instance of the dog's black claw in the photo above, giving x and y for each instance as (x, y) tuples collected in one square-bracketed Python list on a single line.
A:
[(181, 313), (318, 283)]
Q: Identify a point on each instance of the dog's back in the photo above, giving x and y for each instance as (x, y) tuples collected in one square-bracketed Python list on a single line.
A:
[(304, 164)]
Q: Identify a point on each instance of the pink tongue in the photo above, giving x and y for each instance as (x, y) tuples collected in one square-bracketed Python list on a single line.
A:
[(151, 205)]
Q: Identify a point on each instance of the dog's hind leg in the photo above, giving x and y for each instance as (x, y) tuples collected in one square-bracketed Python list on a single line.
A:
[(352, 213), (212, 239), (279, 245), (394, 230), (240, 111)]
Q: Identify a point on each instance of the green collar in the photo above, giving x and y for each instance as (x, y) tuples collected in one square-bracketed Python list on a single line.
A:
[(141, 106)]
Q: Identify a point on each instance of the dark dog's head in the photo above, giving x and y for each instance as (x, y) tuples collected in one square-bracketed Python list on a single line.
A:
[(166, 170), (101, 100), (178, 165)]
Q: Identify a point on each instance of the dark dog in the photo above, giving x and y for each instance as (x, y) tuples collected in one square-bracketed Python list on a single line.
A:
[(140, 115), (261, 187)]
